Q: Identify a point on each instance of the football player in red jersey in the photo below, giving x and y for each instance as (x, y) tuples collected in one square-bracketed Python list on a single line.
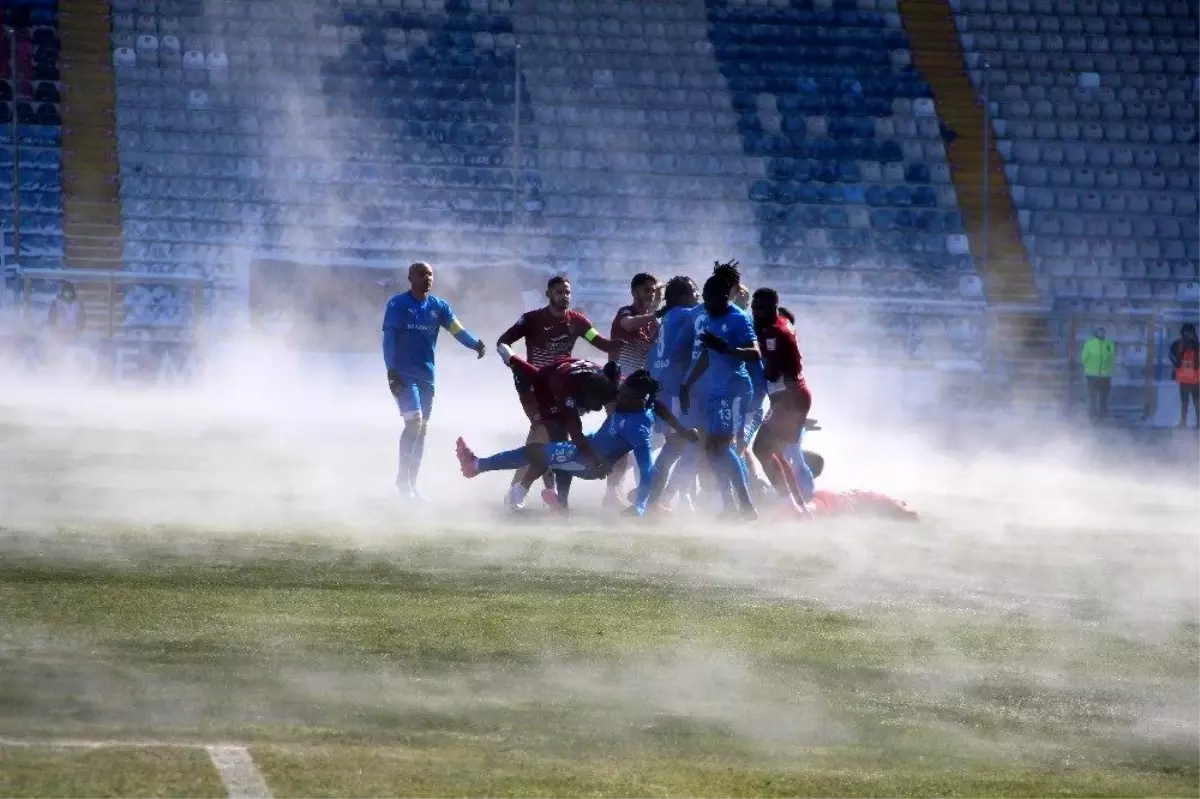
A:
[(562, 391), (790, 398), (633, 331), (550, 334)]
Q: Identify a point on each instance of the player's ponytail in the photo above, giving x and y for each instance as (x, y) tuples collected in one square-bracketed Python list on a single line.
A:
[(644, 384), (716, 295), (728, 273), (788, 315)]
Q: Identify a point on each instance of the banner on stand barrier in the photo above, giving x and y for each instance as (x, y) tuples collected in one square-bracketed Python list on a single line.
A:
[(154, 363)]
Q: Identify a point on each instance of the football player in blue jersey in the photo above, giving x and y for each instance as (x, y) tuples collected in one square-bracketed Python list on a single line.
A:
[(725, 335), (684, 478), (628, 429), (410, 332), (756, 410), (670, 358)]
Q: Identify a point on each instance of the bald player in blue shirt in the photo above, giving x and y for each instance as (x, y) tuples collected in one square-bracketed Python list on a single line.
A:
[(411, 324)]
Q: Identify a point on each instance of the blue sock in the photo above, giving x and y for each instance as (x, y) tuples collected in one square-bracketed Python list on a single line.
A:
[(504, 461), (804, 476), (738, 475)]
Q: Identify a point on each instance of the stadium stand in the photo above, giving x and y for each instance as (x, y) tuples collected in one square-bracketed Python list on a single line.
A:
[(1095, 110), (340, 134), (30, 134), (637, 140), (858, 195)]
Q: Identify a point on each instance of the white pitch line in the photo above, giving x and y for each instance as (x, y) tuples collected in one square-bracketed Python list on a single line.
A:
[(84, 743), (241, 777), (235, 767)]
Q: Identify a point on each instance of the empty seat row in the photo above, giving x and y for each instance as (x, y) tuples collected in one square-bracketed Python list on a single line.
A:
[(703, 119), (1114, 225), (1086, 8), (1077, 26), (1088, 109), (1069, 131), (1100, 247), (1068, 287), (1110, 112), (1104, 179), (1092, 131), (1171, 48), (1111, 202), (1129, 268), (1131, 70), (1054, 154)]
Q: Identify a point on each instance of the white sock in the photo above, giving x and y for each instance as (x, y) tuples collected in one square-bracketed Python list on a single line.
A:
[(516, 495)]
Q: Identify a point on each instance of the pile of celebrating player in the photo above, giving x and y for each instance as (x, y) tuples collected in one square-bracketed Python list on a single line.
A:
[(722, 389)]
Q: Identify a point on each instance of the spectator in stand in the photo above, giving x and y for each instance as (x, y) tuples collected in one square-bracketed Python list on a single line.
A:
[(1098, 356), (66, 316), (1185, 358)]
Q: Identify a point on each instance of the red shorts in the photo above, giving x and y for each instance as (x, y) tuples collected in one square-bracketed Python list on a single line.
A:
[(788, 412), (529, 405)]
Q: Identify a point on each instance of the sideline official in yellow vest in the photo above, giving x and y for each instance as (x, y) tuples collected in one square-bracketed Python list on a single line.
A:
[(1098, 357)]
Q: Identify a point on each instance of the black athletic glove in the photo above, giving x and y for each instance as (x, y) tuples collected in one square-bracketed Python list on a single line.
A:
[(714, 342), (393, 382)]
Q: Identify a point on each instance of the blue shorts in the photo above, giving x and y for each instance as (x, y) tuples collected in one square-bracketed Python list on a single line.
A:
[(726, 414), (563, 456), (414, 398)]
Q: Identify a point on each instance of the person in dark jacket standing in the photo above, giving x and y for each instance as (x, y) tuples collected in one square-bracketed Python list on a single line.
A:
[(1185, 358)]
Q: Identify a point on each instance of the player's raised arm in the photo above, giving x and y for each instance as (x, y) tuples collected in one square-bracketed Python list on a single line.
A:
[(743, 344), (463, 336), (588, 332)]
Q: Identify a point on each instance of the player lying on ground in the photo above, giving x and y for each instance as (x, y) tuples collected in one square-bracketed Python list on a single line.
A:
[(727, 338), (828, 504), (628, 429), (550, 334), (410, 332), (790, 399)]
